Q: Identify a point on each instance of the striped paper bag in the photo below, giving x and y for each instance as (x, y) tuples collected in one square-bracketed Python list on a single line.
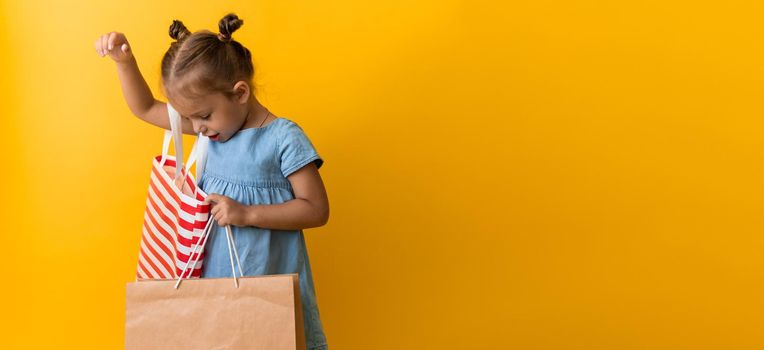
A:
[(175, 215)]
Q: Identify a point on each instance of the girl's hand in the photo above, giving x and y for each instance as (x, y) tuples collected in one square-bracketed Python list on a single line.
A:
[(227, 211), (115, 45)]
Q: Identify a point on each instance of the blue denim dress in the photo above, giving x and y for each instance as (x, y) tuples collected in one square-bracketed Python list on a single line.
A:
[(252, 168)]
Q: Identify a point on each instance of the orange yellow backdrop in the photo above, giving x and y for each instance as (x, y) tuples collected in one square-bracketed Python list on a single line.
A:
[(533, 175)]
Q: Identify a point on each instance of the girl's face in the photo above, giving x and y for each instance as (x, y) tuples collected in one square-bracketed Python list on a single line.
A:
[(215, 115)]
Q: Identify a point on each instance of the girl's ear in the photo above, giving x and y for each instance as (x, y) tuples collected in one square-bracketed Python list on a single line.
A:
[(241, 92)]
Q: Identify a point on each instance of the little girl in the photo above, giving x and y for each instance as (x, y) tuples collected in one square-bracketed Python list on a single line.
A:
[(262, 170)]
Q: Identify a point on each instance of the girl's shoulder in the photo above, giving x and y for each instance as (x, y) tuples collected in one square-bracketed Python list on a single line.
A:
[(281, 130), (277, 125), (274, 130), (294, 147), (286, 129)]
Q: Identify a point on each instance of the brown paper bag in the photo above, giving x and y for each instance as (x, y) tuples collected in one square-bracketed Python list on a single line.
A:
[(264, 312)]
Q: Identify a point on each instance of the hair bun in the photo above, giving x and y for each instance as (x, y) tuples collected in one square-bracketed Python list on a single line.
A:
[(178, 31), (229, 24)]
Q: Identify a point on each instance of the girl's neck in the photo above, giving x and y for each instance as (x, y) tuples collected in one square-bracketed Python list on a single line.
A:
[(259, 116)]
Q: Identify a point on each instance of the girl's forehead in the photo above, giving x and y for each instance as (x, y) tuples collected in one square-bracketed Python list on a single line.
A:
[(187, 107), (196, 111), (190, 101), (182, 96), (190, 105)]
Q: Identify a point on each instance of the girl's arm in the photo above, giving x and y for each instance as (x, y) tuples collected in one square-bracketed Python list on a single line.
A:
[(134, 88), (310, 208)]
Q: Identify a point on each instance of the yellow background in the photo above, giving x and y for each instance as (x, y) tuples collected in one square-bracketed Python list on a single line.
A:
[(534, 175)]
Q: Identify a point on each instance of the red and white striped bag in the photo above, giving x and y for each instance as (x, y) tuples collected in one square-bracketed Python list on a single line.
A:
[(175, 218)]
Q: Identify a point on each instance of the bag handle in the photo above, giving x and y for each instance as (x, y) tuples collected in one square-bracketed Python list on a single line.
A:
[(201, 244), (198, 155), (176, 132), (198, 151)]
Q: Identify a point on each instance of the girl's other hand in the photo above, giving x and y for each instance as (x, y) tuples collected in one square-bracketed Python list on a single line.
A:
[(115, 45), (227, 211)]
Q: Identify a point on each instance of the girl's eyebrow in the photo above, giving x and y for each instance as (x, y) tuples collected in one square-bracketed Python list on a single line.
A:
[(196, 115)]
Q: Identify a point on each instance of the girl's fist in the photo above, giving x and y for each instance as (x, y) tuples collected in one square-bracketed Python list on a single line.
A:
[(227, 211), (115, 45)]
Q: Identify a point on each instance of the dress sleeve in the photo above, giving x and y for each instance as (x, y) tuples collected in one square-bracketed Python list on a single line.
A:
[(296, 150)]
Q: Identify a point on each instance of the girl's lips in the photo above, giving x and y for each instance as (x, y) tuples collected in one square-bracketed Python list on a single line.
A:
[(214, 137)]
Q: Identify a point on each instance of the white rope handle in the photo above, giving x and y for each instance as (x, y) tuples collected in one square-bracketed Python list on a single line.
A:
[(199, 243), (232, 246), (230, 256), (235, 253), (202, 242)]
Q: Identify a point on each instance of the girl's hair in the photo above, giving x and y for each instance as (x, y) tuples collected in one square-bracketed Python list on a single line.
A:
[(204, 62)]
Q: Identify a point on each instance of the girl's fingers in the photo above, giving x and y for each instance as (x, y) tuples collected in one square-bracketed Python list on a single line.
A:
[(104, 39), (98, 47), (110, 42), (106, 42)]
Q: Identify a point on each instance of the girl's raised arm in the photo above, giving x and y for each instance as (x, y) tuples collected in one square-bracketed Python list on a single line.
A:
[(137, 93)]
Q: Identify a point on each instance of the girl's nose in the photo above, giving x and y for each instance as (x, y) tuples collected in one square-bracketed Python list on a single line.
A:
[(198, 128)]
